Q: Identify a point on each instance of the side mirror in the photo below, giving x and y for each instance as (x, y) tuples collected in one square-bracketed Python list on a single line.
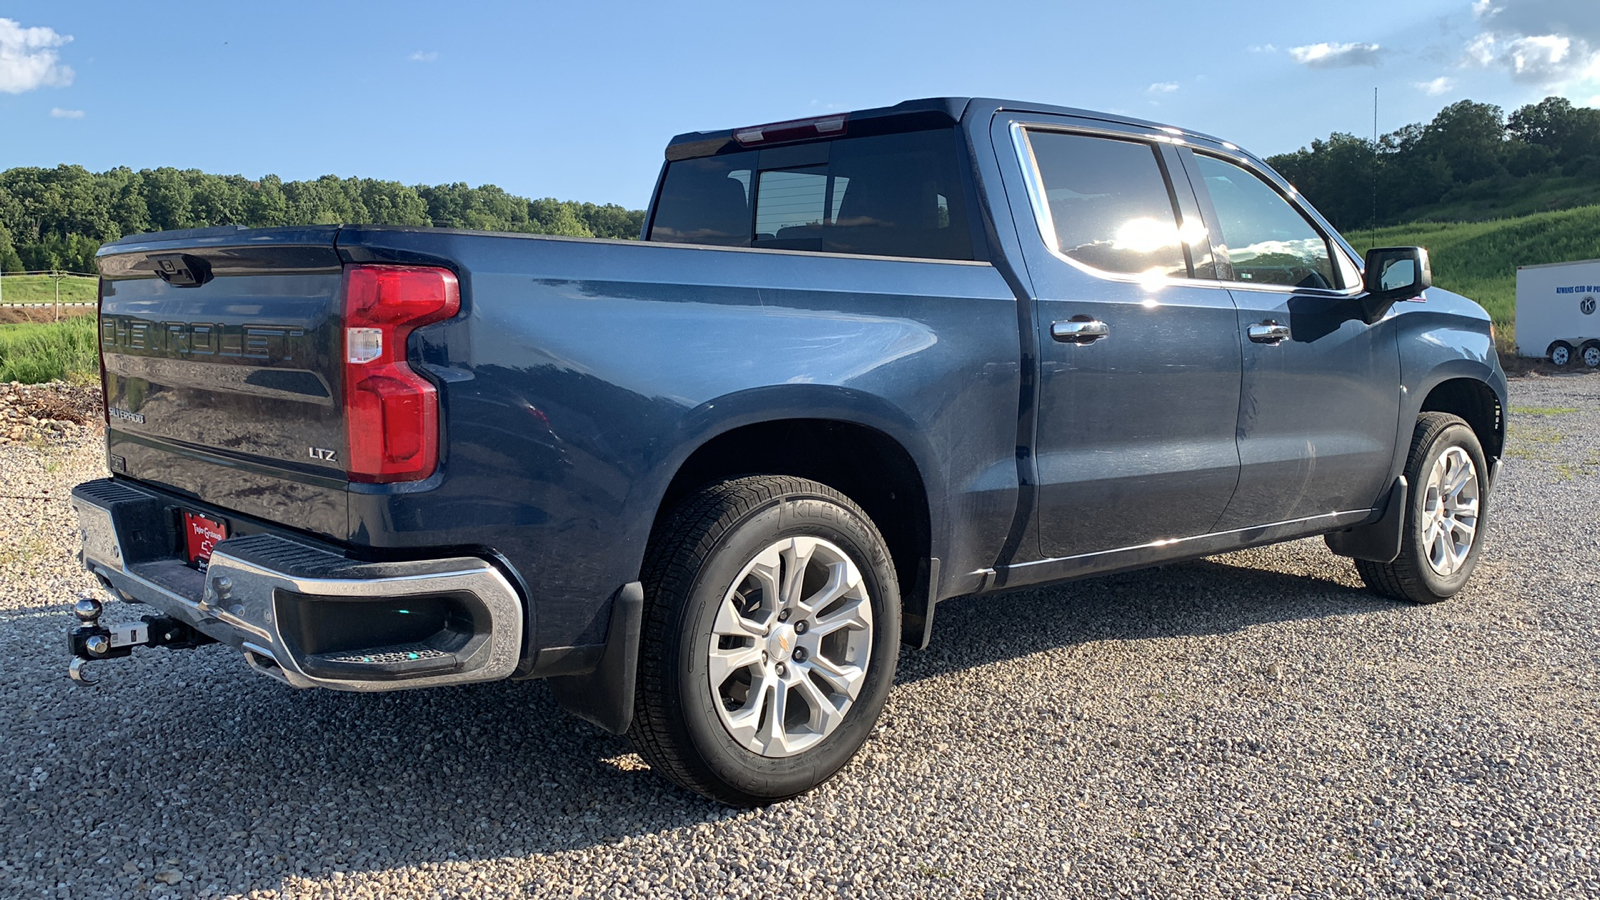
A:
[(1393, 274)]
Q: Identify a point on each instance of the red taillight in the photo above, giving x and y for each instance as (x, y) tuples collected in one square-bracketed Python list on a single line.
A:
[(792, 130), (391, 412)]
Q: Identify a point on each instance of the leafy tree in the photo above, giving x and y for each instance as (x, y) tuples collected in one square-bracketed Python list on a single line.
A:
[(9, 260), (59, 217), (169, 198)]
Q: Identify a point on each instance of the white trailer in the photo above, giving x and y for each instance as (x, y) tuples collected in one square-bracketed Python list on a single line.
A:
[(1556, 314)]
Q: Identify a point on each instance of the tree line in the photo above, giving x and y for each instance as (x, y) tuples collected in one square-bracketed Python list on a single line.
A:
[(1469, 150), (58, 218)]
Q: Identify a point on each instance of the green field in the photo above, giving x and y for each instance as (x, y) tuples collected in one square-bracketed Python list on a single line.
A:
[(42, 289), (49, 351), (1480, 259)]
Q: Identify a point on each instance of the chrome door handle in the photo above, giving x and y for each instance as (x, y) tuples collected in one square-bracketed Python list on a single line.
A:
[(1269, 332), (1082, 330)]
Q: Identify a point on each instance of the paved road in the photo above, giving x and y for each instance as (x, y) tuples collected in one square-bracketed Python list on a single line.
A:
[(1249, 725)]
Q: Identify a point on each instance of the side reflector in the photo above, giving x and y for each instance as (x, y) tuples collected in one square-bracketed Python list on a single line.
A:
[(391, 411)]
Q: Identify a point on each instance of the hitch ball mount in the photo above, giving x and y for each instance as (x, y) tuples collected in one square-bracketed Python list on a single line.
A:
[(92, 641)]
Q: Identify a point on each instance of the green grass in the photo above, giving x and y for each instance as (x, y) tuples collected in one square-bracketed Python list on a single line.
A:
[(42, 289), (49, 351), (1480, 259), (1505, 197)]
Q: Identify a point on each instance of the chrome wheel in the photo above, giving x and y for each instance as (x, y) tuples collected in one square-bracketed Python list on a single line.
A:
[(1560, 354), (1591, 356), (1450, 511), (790, 646)]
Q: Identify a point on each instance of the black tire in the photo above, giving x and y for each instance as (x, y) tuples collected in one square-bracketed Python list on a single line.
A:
[(697, 559), (1412, 576), (1589, 354), (1559, 353)]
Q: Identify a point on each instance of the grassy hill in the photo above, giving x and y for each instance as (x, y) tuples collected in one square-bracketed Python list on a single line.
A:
[(1480, 259), (42, 289)]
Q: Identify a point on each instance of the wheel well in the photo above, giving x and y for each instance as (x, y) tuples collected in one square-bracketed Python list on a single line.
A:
[(864, 464), (1473, 401)]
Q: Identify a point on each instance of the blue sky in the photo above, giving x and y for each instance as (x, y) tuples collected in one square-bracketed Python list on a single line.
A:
[(576, 100)]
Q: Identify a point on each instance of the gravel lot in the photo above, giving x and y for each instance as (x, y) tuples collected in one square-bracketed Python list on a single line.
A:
[(1250, 725)]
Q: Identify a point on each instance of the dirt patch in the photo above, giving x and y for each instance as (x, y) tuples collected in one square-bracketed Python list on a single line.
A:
[(16, 315), (46, 412), (1523, 366)]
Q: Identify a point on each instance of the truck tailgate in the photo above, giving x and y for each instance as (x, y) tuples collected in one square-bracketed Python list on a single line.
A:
[(222, 352)]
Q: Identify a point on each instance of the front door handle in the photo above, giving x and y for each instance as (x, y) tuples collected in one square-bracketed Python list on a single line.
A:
[(1269, 332), (1079, 330)]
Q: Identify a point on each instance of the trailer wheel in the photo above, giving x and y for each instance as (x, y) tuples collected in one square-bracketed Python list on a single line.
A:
[(1590, 354), (1559, 353)]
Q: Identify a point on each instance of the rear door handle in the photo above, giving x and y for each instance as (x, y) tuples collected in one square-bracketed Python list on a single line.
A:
[(1079, 330), (1269, 332)]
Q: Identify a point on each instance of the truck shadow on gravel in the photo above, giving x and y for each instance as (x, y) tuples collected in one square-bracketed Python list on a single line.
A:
[(258, 784)]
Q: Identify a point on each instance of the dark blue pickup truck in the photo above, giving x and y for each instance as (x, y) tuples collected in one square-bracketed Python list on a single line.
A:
[(706, 484)]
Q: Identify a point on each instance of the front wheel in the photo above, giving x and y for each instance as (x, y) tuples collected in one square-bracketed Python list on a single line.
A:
[(771, 631), (1445, 514), (1559, 353)]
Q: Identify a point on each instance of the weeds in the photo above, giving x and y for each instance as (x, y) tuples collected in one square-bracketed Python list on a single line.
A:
[(66, 350)]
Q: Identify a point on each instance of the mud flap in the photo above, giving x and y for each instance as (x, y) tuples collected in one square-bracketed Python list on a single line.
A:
[(605, 696), (1380, 540), (916, 609)]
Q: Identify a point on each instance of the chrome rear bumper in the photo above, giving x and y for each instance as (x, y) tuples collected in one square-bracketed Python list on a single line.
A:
[(260, 591)]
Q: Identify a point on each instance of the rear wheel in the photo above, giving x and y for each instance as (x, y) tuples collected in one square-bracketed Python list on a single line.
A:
[(1559, 353), (1590, 354), (1445, 514), (770, 638)]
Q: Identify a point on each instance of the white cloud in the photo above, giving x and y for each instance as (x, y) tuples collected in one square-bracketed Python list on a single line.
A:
[(1336, 56), (1434, 88), (1542, 60), (423, 55), (1162, 87), (28, 58), (1550, 44), (1262, 48), (59, 113), (1481, 49)]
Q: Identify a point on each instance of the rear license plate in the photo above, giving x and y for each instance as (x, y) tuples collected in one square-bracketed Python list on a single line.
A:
[(202, 535)]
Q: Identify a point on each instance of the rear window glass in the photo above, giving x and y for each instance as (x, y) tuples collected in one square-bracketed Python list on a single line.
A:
[(884, 195), (1109, 205)]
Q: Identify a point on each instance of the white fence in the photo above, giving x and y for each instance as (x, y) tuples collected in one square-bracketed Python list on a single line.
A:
[(56, 276)]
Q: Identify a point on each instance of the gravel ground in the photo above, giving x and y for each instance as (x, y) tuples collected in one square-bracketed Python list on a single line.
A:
[(1249, 725)]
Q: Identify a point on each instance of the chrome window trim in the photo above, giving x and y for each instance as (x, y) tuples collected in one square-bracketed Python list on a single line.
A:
[(1045, 221)]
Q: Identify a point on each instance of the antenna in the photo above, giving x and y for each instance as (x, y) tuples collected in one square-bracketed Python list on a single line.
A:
[(1374, 163)]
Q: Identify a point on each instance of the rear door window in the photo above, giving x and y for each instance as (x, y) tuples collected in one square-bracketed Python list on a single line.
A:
[(1107, 204), (1269, 242), (881, 195)]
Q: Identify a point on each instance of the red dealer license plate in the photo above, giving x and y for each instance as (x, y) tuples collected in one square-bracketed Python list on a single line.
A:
[(202, 535)]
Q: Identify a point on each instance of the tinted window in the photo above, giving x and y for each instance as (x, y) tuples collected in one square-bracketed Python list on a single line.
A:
[(1109, 203), (791, 199), (706, 201), (1268, 240), (884, 195)]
